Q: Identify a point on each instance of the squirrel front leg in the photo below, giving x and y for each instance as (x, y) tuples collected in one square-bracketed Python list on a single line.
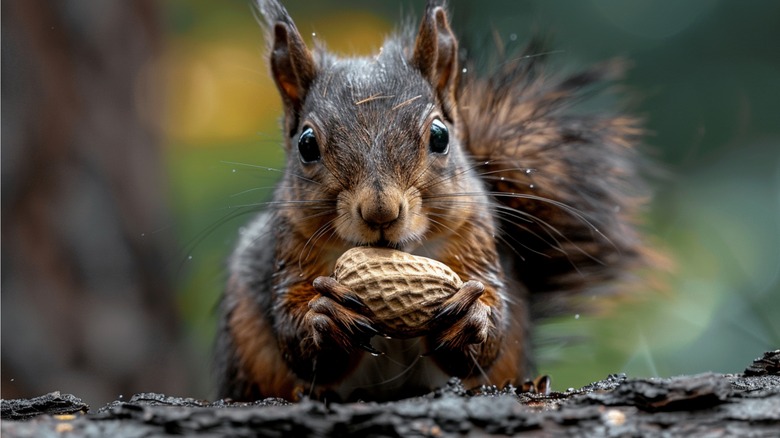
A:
[(322, 329), (479, 333), (468, 330), (462, 319)]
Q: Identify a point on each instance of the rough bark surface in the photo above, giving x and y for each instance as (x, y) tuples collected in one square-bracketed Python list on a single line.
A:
[(708, 404)]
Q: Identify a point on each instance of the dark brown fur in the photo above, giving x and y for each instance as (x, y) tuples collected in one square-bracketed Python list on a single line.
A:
[(530, 201)]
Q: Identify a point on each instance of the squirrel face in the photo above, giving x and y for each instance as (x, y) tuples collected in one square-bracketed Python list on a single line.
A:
[(373, 141), (373, 144)]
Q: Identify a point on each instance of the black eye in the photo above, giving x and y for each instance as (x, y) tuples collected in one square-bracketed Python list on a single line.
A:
[(308, 148), (440, 138)]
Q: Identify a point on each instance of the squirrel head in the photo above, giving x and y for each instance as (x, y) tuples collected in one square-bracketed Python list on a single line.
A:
[(373, 143)]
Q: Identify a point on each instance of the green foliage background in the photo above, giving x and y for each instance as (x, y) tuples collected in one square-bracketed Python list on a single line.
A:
[(705, 78)]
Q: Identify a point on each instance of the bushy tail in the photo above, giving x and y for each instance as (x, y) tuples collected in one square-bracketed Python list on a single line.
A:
[(566, 177)]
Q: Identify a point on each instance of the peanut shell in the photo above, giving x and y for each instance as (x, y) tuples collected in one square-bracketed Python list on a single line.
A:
[(401, 289)]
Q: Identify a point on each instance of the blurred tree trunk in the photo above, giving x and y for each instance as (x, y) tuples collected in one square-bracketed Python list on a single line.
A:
[(87, 299)]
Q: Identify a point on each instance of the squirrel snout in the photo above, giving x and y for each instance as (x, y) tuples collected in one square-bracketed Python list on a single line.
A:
[(380, 215), (379, 209)]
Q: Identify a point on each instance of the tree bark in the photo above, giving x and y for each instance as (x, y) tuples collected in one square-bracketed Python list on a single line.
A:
[(701, 405)]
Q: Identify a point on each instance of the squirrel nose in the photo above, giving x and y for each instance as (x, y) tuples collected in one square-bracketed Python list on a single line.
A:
[(379, 215)]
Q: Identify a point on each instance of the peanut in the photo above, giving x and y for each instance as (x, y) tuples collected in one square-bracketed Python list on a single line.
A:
[(402, 290)]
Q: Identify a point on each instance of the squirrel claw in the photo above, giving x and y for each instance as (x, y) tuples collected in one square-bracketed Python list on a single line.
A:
[(334, 320), (462, 320), (354, 303), (459, 304), (370, 349), (540, 385), (329, 287), (368, 328)]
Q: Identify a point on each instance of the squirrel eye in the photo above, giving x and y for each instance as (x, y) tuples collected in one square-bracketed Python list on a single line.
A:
[(440, 138), (308, 148)]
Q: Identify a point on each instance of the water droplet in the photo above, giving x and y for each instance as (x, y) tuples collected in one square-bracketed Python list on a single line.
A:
[(465, 70), (530, 186), (577, 316), (189, 257), (512, 37)]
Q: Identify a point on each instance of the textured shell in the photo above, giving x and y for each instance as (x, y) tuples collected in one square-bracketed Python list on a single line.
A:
[(401, 289)]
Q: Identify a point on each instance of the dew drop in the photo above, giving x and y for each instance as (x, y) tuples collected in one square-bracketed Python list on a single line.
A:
[(189, 257), (513, 37)]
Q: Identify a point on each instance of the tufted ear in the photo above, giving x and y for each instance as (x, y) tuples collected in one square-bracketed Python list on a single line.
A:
[(436, 55), (292, 64)]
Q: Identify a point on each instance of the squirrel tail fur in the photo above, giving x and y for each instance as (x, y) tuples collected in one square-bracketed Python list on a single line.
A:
[(567, 183)]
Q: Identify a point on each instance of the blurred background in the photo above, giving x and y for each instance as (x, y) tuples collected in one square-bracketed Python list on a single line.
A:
[(133, 132)]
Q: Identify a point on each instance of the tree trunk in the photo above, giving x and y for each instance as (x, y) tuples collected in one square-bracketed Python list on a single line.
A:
[(87, 296)]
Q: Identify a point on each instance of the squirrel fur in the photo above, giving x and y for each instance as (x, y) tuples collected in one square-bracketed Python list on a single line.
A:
[(496, 175)]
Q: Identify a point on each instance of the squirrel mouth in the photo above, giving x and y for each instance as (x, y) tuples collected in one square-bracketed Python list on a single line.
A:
[(384, 243)]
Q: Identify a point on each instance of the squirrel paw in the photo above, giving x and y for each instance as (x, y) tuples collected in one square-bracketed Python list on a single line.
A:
[(462, 320), (337, 316), (540, 385)]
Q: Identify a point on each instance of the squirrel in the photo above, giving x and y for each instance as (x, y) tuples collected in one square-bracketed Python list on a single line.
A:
[(495, 174)]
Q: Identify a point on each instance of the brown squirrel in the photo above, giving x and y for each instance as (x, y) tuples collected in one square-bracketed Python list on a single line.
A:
[(495, 175)]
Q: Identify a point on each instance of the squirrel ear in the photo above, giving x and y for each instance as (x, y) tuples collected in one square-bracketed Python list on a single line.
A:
[(292, 64), (436, 55)]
